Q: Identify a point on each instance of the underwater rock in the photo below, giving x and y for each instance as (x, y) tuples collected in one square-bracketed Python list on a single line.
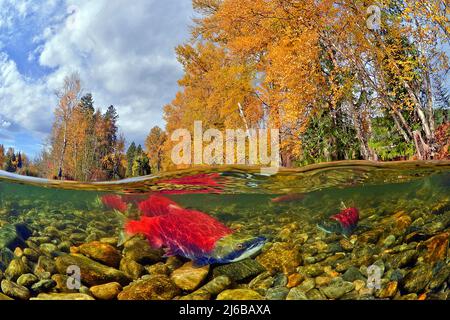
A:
[(315, 294), (158, 268), (173, 263), (370, 236), (14, 290), (281, 257), (296, 294), (48, 249), (411, 296), (440, 274), (189, 277), (402, 259), (364, 254), (211, 289), (239, 271), (311, 271), (63, 296), (346, 244), (46, 264), (4, 297), (110, 240), (12, 236), (262, 283), (140, 251), (307, 285), (107, 291), (101, 252), (436, 248), (359, 285), (395, 275), (294, 280), (27, 280), (155, 287), (322, 281), (15, 269), (337, 288), (43, 286), (61, 283), (402, 222), (417, 279), (280, 280), (64, 246), (389, 241), (92, 272), (277, 293), (6, 256), (387, 291), (239, 294), (31, 254), (131, 268)]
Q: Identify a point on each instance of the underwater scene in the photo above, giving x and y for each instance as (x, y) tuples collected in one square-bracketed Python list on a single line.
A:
[(347, 230)]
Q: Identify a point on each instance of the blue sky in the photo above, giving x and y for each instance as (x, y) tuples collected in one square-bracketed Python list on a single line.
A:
[(124, 52)]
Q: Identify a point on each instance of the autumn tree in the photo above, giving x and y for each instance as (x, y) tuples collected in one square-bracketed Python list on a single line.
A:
[(85, 143), (290, 63), (68, 96), (2, 155), (154, 147)]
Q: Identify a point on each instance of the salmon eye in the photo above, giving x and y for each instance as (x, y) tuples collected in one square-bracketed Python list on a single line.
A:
[(239, 246)]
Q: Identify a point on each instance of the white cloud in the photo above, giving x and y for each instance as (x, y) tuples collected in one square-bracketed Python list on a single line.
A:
[(125, 54), (5, 124), (23, 101), (124, 51)]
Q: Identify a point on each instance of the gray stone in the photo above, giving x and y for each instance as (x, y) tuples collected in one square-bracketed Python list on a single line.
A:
[(417, 279), (307, 285), (9, 237), (63, 296), (337, 288), (239, 271), (296, 294), (277, 293), (15, 269), (92, 272), (43, 286), (353, 274), (140, 251), (27, 280), (315, 294), (14, 290), (403, 259), (6, 256), (48, 249)]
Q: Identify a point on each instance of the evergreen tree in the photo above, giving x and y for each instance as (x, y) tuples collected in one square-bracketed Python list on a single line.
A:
[(131, 155), (141, 166), (19, 161), (111, 118), (87, 103), (9, 166)]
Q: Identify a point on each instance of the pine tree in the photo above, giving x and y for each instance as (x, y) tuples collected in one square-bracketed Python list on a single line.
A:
[(19, 161), (87, 103), (131, 155)]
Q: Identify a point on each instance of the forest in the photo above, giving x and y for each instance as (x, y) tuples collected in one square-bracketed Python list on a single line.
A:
[(336, 86)]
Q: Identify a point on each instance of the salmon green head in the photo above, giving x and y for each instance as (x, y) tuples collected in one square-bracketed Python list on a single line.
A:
[(232, 248)]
